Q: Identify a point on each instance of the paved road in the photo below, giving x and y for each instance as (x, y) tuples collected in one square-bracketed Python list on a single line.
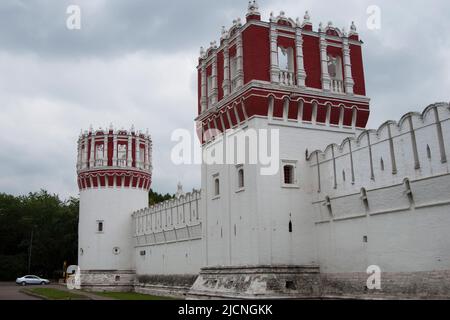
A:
[(11, 291)]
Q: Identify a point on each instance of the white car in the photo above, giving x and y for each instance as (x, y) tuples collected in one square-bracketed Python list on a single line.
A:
[(31, 280)]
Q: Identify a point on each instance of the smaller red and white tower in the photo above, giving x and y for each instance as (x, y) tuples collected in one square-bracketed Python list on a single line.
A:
[(114, 177)]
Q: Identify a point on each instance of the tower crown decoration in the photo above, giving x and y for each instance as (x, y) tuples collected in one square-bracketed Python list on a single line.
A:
[(258, 64), (114, 158)]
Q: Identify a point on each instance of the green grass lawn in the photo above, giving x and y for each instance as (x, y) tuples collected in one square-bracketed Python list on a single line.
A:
[(55, 294), (130, 296)]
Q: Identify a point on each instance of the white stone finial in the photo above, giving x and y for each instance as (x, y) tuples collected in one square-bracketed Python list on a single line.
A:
[(253, 7), (132, 128), (330, 23), (238, 22), (353, 27), (306, 17), (282, 14), (321, 26), (272, 17), (344, 31), (111, 127), (202, 51), (179, 190), (91, 128)]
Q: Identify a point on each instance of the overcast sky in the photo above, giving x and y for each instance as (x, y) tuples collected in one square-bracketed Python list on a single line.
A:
[(133, 62)]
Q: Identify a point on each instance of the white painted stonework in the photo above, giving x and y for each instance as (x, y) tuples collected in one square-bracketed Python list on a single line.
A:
[(357, 197)]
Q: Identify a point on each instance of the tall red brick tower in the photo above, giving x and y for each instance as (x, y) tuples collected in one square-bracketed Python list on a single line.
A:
[(319, 72)]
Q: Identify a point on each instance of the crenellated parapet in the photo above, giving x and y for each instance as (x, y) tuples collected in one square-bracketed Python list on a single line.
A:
[(402, 156), (173, 220), (114, 158)]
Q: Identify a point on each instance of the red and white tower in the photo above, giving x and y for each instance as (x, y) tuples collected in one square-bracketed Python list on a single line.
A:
[(279, 75), (114, 176)]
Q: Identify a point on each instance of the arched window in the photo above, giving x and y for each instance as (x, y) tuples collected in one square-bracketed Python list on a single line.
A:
[(216, 187), (285, 59), (335, 72), (240, 178), (122, 155), (288, 171), (99, 155)]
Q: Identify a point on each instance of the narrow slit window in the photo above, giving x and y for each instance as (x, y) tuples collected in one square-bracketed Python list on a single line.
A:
[(241, 178)]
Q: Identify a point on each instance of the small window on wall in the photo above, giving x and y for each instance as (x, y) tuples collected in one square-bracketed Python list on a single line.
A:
[(288, 171), (100, 226), (289, 175)]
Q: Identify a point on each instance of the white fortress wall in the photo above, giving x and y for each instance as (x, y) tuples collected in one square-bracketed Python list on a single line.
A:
[(167, 237), (383, 198)]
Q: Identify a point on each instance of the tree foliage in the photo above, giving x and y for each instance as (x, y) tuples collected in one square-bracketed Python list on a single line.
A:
[(54, 224), (155, 197)]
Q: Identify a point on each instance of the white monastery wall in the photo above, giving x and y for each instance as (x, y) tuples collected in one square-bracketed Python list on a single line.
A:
[(167, 237), (399, 221)]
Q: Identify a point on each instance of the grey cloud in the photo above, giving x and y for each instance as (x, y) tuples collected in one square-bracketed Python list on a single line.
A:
[(133, 62)]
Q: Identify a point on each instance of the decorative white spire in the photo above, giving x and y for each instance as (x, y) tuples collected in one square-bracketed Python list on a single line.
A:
[(202, 52), (180, 191), (306, 17), (272, 17), (321, 27), (253, 8), (353, 27)]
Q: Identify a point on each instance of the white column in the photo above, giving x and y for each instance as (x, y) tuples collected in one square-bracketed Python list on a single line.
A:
[(348, 79), (137, 153), (115, 149), (146, 160), (326, 80), (274, 67), (129, 151), (105, 150), (92, 160), (301, 74), (240, 61), (85, 153), (79, 155), (203, 99), (226, 70), (215, 90)]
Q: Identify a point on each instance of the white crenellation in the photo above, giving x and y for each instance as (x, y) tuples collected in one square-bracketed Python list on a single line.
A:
[(412, 148)]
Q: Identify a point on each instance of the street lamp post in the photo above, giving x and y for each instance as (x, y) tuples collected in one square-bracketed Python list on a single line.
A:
[(29, 251)]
